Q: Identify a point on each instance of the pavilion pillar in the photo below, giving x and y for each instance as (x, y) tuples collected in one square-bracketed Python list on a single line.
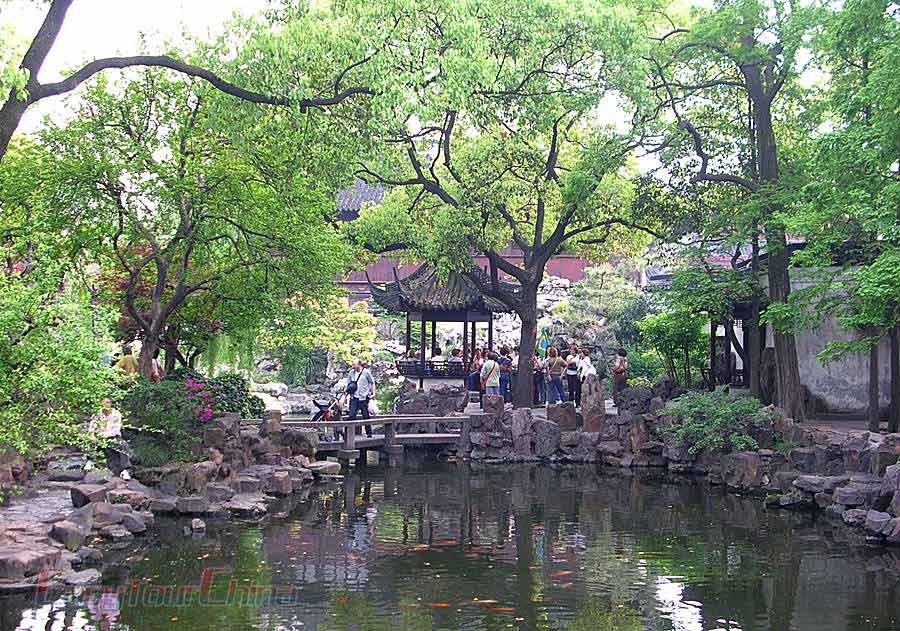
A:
[(433, 335), (422, 358), (408, 334), (713, 326), (490, 343), (728, 376), (474, 337), (465, 339), (747, 354)]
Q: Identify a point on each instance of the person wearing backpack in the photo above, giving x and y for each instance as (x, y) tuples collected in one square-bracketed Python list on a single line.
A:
[(490, 375), (556, 367), (360, 388)]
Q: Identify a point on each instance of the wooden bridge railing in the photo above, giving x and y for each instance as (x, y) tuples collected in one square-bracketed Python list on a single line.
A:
[(390, 441)]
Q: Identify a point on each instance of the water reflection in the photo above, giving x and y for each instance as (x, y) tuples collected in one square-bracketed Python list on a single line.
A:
[(526, 547)]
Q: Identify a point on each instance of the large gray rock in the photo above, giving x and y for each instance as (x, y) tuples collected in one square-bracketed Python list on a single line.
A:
[(69, 533), (192, 505), (743, 471), (90, 576), (521, 427), (563, 414), (593, 405), (546, 438), (301, 442), (87, 493), (877, 521), (19, 560), (820, 483)]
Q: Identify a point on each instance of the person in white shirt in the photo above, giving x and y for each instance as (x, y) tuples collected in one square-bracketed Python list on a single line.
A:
[(585, 365), (107, 422)]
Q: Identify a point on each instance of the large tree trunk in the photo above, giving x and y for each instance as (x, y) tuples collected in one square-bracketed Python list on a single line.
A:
[(524, 379), (873, 389), (894, 417), (149, 346), (754, 352), (790, 392)]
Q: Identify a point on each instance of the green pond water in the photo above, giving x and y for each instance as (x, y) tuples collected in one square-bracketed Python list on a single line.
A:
[(516, 548)]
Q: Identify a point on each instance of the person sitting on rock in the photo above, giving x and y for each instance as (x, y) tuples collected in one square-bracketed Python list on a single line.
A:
[(107, 423)]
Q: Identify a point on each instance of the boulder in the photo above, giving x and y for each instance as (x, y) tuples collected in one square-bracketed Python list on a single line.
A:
[(849, 496), (246, 484), (164, 505), (877, 521), (116, 533), (191, 505), (300, 441), (219, 492), (247, 505), (89, 557), (888, 498), (803, 459), (134, 523), (324, 467), (563, 414), (279, 483), (494, 406), (20, 560), (90, 576), (819, 483), (743, 471), (546, 438), (198, 525), (593, 404), (635, 400), (65, 475), (69, 533), (522, 431), (215, 437), (854, 516), (87, 493)]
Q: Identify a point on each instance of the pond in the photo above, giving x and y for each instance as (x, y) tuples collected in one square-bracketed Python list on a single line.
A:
[(522, 547)]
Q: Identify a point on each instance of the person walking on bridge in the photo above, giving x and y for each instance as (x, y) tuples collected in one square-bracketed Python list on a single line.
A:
[(360, 388)]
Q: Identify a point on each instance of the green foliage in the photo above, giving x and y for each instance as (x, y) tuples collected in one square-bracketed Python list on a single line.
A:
[(166, 420), (299, 365), (334, 324), (51, 344), (231, 391), (605, 294), (598, 617), (716, 420), (677, 337), (644, 363)]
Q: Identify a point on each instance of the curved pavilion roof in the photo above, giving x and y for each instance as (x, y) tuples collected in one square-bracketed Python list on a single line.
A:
[(424, 290)]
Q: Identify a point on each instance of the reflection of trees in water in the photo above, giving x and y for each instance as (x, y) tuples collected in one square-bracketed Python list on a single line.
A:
[(383, 546)]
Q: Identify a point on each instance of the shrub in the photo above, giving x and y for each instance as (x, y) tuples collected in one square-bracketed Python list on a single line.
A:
[(716, 420), (169, 417), (51, 375), (230, 391)]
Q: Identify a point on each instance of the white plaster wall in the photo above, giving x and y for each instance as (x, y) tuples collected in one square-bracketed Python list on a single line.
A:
[(842, 385)]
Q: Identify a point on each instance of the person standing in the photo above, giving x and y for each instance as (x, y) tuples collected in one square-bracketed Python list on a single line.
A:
[(572, 380), (556, 367), (490, 375), (585, 365), (540, 379), (127, 364), (620, 373), (506, 363), (360, 388)]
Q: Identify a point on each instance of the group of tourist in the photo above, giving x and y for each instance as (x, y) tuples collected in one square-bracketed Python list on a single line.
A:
[(557, 378)]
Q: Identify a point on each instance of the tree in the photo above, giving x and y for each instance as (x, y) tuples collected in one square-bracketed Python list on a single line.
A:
[(741, 59), (23, 88), (195, 231), (852, 210), (677, 336), (499, 139), (52, 338)]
